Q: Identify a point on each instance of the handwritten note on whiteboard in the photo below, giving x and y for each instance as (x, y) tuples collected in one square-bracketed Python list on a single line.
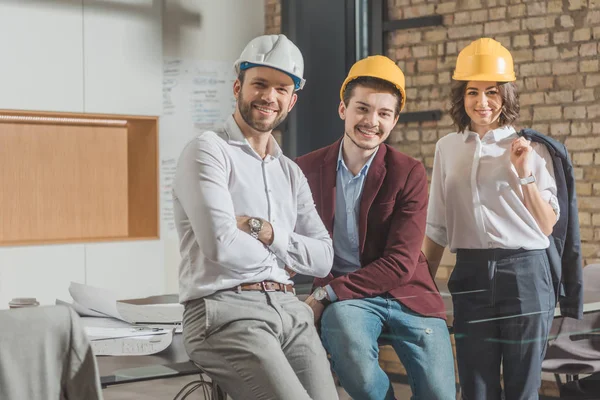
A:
[(197, 96)]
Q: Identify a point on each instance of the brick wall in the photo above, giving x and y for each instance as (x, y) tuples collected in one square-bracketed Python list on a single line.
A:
[(555, 45)]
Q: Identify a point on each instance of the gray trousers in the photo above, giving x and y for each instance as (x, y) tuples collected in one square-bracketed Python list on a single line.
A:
[(258, 346)]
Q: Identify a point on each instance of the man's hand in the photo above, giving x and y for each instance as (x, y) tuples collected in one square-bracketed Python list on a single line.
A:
[(520, 155), (266, 234), (316, 306)]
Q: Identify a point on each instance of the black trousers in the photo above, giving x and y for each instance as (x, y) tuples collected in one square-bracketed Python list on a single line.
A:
[(503, 309)]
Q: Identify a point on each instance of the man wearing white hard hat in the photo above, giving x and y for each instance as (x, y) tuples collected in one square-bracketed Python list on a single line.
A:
[(247, 223)]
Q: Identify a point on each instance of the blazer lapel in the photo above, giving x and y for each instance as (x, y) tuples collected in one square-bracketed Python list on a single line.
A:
[(373, 182), (328, 174)]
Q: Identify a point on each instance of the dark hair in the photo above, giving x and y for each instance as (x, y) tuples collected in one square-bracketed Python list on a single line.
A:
[(377, 84), (241, 76), (510, 104)]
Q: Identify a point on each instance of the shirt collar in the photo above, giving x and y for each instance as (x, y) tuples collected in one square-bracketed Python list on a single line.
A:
[(363, 170), (497, 134), (236, 137)]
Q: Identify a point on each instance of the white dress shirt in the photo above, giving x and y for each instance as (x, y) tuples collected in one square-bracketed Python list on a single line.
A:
[(475, 198), (219, 176)]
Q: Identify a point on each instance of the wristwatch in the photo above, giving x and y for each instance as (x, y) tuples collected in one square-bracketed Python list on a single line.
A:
[(528, 180), (256, 225), (320, 295)]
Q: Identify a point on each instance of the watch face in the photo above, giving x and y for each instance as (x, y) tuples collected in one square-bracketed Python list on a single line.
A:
[(319, 294), (254, 223)]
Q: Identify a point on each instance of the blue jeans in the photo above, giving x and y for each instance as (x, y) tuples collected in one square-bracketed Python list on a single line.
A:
[(350, 329)]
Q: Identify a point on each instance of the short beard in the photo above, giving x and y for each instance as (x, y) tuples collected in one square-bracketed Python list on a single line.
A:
[(245, 109)]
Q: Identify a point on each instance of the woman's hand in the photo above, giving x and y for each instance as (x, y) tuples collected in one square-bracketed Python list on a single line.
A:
[(520, 156)]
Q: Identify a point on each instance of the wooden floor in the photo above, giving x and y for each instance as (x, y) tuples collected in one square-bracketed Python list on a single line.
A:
[(166, 389)]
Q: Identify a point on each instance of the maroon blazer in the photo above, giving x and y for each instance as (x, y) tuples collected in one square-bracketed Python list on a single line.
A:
[(393, 211)]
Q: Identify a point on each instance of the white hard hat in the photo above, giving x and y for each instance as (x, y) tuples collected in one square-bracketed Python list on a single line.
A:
[(275, 51)]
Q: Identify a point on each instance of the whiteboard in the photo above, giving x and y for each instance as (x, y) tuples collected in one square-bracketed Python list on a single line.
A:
[(197, 96)]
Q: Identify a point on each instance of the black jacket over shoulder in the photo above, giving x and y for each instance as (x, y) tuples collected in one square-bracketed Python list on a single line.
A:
[(564, 252)]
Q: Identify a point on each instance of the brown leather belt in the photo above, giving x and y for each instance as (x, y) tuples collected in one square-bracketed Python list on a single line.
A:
[(265, 286)]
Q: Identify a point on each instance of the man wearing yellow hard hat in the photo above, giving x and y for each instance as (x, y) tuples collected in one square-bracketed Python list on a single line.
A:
[(247, 223), (373, 201), (494, 201)]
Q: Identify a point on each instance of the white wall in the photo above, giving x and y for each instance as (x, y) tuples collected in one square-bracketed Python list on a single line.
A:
[(93, 56), (103, 56)]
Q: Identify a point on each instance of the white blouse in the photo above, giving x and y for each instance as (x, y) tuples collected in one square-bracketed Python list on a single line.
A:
[(475, 198)]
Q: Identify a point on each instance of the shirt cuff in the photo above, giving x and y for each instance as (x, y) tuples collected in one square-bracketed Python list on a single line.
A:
[(332, 296), (437, 234), (280, 244)]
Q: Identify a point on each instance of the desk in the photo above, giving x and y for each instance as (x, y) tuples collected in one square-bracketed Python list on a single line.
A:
[(169, 363), (174, 361)]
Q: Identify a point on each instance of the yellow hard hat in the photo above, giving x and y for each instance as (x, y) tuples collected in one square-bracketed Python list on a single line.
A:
[(377, 67), (484, 60)]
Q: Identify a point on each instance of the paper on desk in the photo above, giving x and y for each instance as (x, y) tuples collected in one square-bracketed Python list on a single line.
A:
[(79, 309), (106, 302), (102, 333), (132, 346)]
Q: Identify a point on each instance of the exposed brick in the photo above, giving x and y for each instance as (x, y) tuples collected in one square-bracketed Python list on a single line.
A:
[(427, 65), (585, 158), (588, 49), (577, 4), (581, 35), (576, 143), (479, 16), (536, 69), (560, 129), (531, 98), (575, 112), (592, 18), (570, 81), (522, 56), (468, 4), (537, 8), (423, 51), (555, 6), (538, 23), (584, 188), (541, 39), (586, 234), (592, 80), (566, 21), (585, 218), (589, 203), (419, 11), (564, 68), (589, 66), (516, 11), (547, 113), (445, 8), (568, 52), (596, 32), (444, 77), (496, 27), (435, 35), (428, 149), (497, 13), (403, 53), (412, 136), (521, 41), (561, 37), (546, 53), (593, 111), (581, 128), (540, 127), (560, 97)]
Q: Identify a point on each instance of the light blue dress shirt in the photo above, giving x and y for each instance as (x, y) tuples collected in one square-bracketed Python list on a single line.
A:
[(347, 208)]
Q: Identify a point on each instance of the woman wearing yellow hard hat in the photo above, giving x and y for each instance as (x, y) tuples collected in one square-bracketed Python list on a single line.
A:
[(493, 201)]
